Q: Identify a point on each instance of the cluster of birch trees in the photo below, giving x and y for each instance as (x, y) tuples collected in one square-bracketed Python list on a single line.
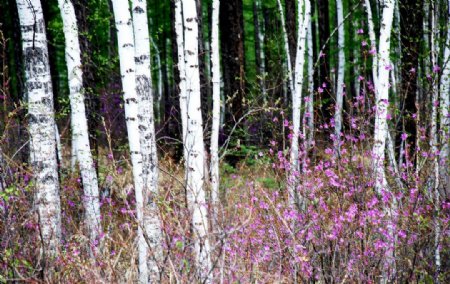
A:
[(306, 36)]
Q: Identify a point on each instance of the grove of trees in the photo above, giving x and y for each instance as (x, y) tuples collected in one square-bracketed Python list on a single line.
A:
[(233, 141)]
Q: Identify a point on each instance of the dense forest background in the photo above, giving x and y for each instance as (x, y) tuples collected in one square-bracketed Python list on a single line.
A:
[(332, 143)]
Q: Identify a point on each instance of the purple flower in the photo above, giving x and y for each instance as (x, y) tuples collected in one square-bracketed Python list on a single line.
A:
[(436, 68)]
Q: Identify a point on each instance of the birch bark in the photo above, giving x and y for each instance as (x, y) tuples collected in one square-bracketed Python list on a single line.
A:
[(303, 23), (309, 116), (181, 68), (215, 66), (286, 47), (41, 124), (373, 43), (444, 113), (159, 93), (259, 42), (382, 96), (194, 145), (434, 138), (144, 90), (340, 77), (125, 40), (80, 134)]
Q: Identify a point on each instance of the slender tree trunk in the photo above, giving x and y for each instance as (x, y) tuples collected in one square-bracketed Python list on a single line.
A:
[(159, 92), (181, 69), (147, 135), (291, 26), (444, 113), (381, 81), (259, 47), (382, 96), (309, 116), (59, 155), (340, 77), (373, 43), (125, 42), (80, 133), (434, 138), (41, 125), (90, 79), (194, 145), (303, 24), (216, 77), (290, 75)]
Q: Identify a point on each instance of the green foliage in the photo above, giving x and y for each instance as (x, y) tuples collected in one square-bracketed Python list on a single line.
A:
[(269, 182)]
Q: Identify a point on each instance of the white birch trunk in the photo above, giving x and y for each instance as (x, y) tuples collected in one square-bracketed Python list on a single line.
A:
[(159, 93), (381, 82), (373, 43), (340, 77), (382, 97), (41, 124), (194, 145), (303, 24), (286, 46), (434, 136), (262, 56), (144, 90), (181, 68), (125, 42), (444, 113), (80, 134), (310, 108), (215, 66)]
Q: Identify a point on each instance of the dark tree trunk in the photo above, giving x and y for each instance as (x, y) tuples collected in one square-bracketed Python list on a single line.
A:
[(411, 13), (314, 40), (324, 34), (176, 152), (18, 134), (232, 49), (291, 24)]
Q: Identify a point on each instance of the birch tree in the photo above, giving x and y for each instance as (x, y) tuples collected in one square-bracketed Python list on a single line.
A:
[(445, 107), (125, 40), (340, 77), (259, 47), (303, 24), (286, 48), (80, 134), (382, 95), (194, 145), (41, 124), (308, 119), (179, 31), (434, 140), (147, 135), (215, 66)]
